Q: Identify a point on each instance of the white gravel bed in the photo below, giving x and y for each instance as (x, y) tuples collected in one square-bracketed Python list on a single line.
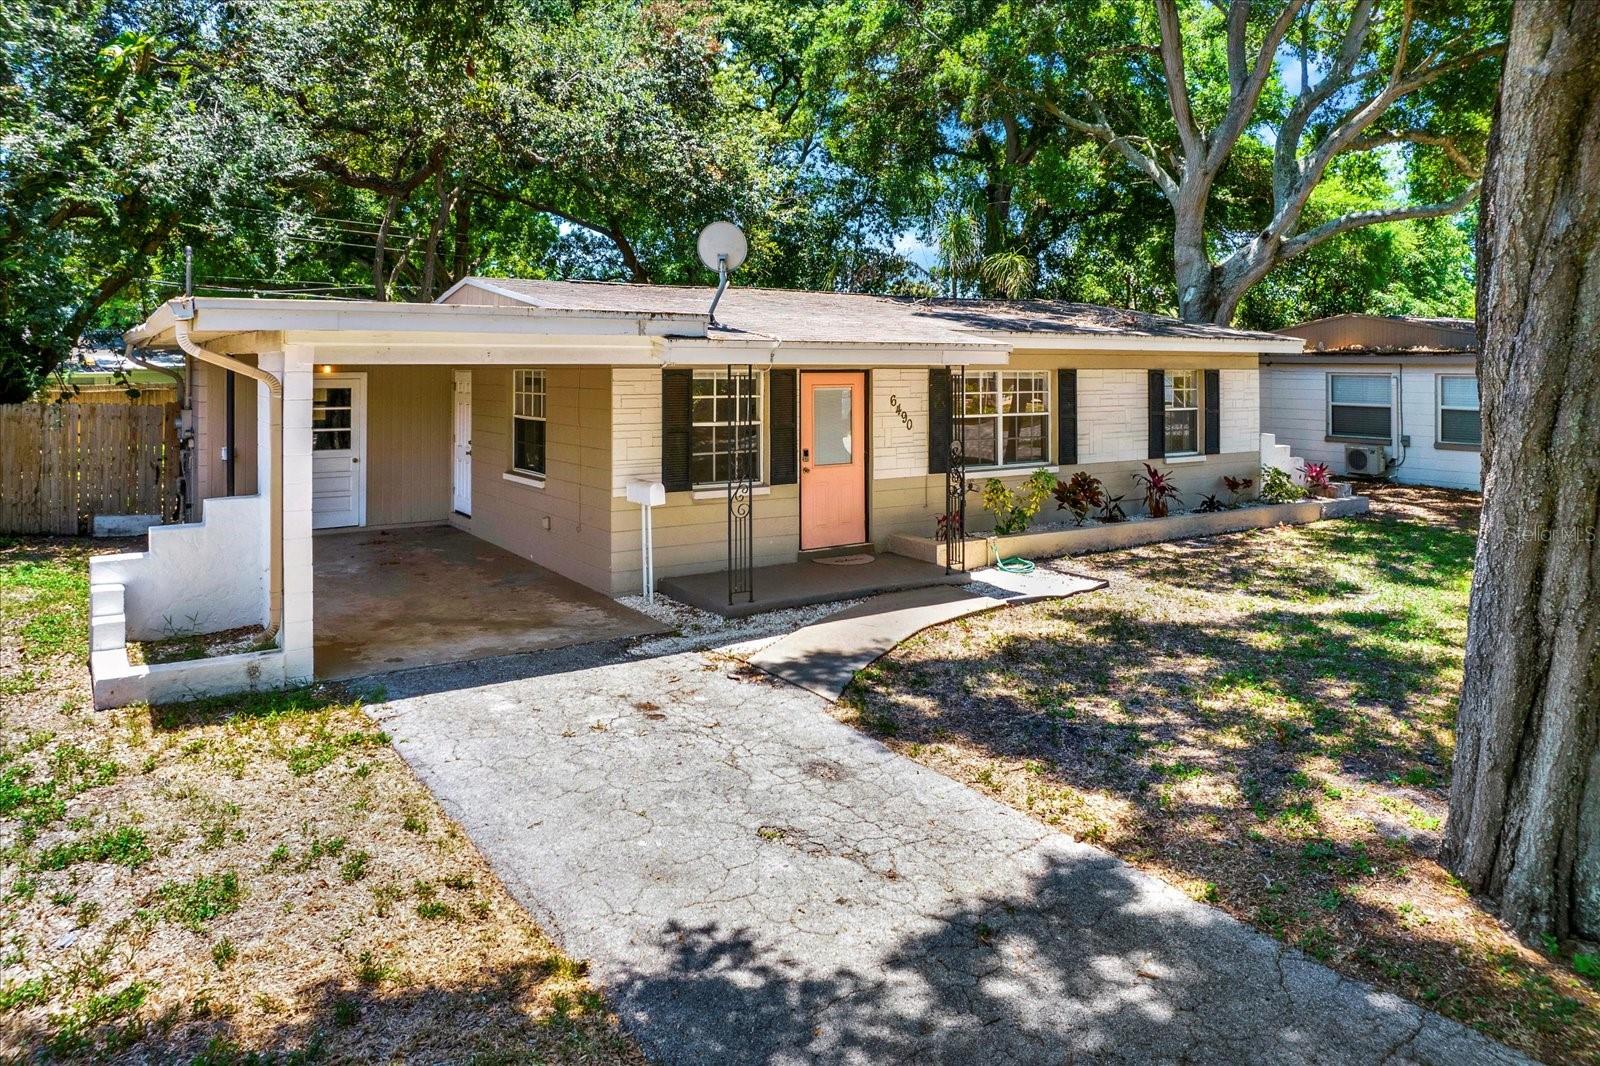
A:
[(697, 629)]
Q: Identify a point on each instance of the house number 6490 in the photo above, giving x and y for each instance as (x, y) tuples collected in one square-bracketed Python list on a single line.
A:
[(905, 419)]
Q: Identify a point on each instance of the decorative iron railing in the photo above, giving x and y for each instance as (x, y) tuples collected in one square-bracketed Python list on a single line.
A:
[(746, 431), (955, 478)]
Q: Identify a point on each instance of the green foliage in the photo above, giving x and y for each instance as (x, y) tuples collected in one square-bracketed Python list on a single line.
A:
[(1013, 510), (1278, 487), (1080, 494), (389, 147), (123, 846), (193, 903)]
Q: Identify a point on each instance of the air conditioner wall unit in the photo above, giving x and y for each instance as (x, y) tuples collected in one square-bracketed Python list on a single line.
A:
[(1366, 460)]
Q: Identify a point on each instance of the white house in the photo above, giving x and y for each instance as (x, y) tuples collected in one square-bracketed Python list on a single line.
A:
[(534, 416), (1379, 397)]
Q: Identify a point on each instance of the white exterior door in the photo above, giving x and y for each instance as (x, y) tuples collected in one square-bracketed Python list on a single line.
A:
[(338, 447), (462, 443)]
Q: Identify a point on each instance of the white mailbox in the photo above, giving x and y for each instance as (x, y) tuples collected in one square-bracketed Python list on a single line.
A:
[(647, 494)]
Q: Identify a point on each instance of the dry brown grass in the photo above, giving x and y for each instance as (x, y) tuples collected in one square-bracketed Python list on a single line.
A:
[(1266, 720), (257, 874)]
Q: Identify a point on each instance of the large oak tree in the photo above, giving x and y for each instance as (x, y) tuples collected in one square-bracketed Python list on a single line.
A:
[(1524, 822)]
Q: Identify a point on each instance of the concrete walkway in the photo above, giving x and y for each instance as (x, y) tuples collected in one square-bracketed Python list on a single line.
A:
[(753, 882), (824, 656)]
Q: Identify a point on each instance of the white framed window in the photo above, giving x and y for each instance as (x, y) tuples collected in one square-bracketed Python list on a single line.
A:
[(1005, 417), (1459, 419), (1360, 406), (719, 404), (1183, 412), (528, 400)]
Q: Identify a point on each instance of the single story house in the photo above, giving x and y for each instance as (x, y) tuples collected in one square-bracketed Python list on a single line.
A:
[(536, 415), (1377, 396)]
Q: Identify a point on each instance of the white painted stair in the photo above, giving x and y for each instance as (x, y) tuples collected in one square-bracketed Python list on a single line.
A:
[(1283, 458)]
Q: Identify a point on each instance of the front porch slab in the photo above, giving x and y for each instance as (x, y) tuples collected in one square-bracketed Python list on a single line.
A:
[(817, 580), (395, 599)]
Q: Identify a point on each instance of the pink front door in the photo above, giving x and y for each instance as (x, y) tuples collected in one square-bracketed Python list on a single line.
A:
[(833, 459)]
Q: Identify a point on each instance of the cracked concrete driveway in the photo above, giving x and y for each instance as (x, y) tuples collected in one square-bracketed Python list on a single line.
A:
[(753, 882)]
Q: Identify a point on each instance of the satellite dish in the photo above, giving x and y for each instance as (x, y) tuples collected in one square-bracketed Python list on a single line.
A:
[(722, 246)]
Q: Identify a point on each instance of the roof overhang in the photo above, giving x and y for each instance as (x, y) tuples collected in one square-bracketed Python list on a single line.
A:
[(1148, 342), (329, 322), (1340, 359), (722, 351)]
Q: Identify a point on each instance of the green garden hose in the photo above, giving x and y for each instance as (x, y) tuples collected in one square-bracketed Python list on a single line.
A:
[(1014, 565)]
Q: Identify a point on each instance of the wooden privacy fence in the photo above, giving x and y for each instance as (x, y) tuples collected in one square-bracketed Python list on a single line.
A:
[(62, 464)]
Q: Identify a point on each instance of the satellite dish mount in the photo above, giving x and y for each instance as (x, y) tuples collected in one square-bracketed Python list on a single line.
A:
[(722, 248)]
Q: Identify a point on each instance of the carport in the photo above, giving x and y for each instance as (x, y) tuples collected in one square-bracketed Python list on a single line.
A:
[(394, 599)]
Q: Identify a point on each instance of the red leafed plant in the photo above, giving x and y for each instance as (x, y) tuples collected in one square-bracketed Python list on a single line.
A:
[(948, 525), (1238, 486), (1318, 479), (1159, 490), (1080, 495)]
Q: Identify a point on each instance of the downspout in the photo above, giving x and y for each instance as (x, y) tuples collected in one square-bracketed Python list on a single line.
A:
[(182, 314)]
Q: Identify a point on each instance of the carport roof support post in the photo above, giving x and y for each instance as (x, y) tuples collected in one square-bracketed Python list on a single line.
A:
[(295, 368)]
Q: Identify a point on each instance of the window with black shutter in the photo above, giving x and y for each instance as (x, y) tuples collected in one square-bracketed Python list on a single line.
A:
[(938, 421)]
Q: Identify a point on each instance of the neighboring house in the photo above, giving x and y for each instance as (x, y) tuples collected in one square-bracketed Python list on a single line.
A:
[(521, 412), (1376, 396)]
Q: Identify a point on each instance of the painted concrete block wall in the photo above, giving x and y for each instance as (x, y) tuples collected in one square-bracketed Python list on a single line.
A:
[(198, 577), (1113, 415), (1294, 408), (635, 426), (899, 450), (1240, 410)]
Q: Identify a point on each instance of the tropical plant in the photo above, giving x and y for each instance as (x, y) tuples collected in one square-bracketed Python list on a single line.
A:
[(1111, 509), (1318, 479), (947, 525), (1238, 486), (1278, 487), (1210, 504), (1013, 510), (1080, 494), (1159, 490)]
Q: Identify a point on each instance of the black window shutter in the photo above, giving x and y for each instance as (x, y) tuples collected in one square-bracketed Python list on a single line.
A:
[(677, 417), (1158, 414), (1066, 417), (938, 421), (785, 401), (1212, 400)]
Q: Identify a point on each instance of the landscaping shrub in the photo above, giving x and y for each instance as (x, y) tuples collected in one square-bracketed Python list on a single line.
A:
[(1278, 487), (1159, 490), (1080, 495), (1014, 509)]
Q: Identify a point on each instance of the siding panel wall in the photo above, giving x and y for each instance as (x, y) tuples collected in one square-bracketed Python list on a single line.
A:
[(1294, 408)]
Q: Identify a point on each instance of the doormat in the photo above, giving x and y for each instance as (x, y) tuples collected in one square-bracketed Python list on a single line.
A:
[(846, 560)]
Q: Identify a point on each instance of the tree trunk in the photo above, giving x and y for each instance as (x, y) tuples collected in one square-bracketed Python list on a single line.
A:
[(1199, 295), (1524, 823)]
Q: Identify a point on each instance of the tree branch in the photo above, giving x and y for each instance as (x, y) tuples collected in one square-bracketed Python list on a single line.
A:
[(1247, 90), (1448, 145), (1178, 83), (1356, 219)]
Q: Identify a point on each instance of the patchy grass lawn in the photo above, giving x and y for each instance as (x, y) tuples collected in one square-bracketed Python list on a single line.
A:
[(260, 874), (1265, 719)]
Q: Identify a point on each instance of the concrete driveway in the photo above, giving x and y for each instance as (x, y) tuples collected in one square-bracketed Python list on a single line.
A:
[(753, 882)]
